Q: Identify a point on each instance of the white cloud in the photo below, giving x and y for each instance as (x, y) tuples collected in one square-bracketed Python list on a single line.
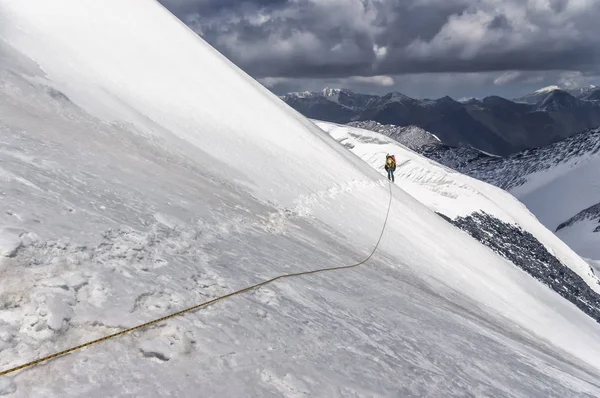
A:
[(271, 82), (377, 80), (507, 77), (380, 52)]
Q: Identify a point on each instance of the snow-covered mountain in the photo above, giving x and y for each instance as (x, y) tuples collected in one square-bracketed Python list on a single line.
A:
[(412, 137), (493, 124), (558, 183), (557, 100), (335, 104), (490, 214), (342, 97), (539, 95), (592, 95), (456, 195), (130, 191), (584, 92)]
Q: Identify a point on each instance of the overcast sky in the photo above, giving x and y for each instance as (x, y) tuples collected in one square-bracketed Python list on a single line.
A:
[(423, 48)]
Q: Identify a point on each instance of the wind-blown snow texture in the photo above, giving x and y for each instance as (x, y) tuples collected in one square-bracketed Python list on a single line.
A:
[(120, 204)]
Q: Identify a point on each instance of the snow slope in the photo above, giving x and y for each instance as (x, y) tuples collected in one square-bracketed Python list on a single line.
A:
[(451, 193), (120, 204)]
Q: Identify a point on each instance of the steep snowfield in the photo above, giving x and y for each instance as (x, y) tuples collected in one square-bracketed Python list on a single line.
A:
[(453, 194), (142, 173)]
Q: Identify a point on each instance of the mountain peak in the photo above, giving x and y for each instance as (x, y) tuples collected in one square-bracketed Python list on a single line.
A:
[(399, 95), (298, 94), (592, 95), (560, 94), (558, 99), (446, 98), (331, 92), (396, 96)]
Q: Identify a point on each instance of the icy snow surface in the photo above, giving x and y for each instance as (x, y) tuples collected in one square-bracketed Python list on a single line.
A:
[(142, 173), (452, 193)]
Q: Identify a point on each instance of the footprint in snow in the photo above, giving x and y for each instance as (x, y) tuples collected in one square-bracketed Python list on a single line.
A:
[(157, 350)]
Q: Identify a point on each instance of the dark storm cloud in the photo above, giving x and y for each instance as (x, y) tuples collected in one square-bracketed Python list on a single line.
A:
[(499, 22), (341, 38), (559, 5)]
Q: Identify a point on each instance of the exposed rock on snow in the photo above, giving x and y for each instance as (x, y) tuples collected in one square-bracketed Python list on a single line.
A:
[(412, 137), (527, 253)]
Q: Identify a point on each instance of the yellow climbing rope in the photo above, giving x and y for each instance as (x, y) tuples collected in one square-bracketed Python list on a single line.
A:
[(89, 343)]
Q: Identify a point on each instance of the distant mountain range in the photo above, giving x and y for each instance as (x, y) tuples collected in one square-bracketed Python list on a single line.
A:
[(588, 93), (493, 124)]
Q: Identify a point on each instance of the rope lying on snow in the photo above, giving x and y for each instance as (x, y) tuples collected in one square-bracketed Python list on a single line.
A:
[(89, 343)]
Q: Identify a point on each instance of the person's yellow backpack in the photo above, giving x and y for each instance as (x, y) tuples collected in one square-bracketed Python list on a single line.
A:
[(391, 162)]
